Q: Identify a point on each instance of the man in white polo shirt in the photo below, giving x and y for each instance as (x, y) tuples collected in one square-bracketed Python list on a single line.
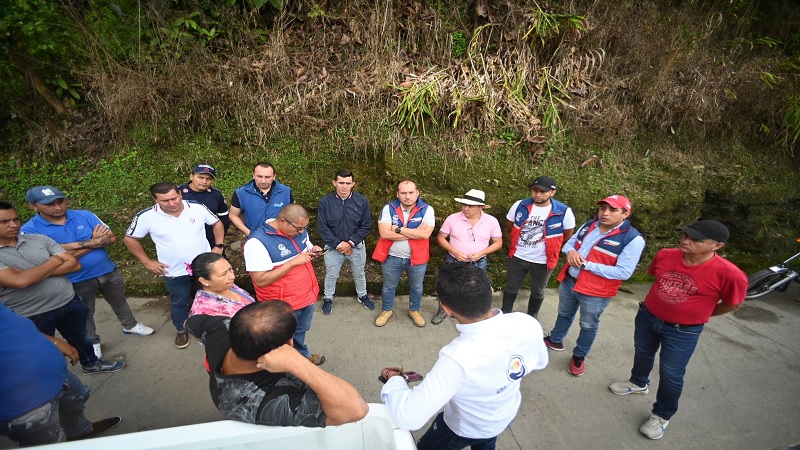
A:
[(177, 228)]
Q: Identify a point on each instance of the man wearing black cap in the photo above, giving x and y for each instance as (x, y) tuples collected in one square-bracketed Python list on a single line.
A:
[(692, 284), (200, 189), (538, 226)]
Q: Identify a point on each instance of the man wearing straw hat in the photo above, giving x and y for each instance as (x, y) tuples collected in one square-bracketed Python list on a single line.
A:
[(468, 236)]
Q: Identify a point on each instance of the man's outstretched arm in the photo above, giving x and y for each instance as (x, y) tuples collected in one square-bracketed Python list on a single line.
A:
[(340, 401)]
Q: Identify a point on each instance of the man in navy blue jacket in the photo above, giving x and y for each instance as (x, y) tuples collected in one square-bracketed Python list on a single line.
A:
[(344, 222)]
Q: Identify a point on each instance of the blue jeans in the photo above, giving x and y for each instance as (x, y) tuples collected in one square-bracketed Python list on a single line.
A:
[(516, 271), (70, 321), (677, 346), (112, 286), (569, 302), (440, 437), (480, 264), (334, 260), (50, 423), (303, 317), (180, 294), (392, 270)]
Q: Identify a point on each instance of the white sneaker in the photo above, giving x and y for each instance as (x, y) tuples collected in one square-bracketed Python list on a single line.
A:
[(654, 427), (98, 351), (626, 387), (139, 329)]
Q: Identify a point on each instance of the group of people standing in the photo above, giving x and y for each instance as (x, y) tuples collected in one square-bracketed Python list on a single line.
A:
[(52, 267)]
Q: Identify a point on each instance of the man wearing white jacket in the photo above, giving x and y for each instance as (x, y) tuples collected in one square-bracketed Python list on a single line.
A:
[(477, 376)]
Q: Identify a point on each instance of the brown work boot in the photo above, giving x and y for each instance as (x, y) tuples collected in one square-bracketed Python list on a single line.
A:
[(383, 318), (182, 339), (417, 318)]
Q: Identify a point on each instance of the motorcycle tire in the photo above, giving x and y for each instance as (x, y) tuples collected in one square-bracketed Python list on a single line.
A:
[(759, 283)]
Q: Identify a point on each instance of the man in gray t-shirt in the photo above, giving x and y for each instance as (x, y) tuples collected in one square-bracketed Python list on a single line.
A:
[(33, 285)]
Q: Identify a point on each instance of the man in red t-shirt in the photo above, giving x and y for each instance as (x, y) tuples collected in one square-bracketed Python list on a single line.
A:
[(692, 284)]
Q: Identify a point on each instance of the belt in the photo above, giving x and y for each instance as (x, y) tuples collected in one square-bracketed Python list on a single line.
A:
[(670, 324)]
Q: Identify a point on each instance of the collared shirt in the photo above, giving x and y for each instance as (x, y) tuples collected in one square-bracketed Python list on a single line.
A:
[(78, 226), (178, 239), (468, 238), (476, 379), (53, 292), (213, 199), (626, 261)]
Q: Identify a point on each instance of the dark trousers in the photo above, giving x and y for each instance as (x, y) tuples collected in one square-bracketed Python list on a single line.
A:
[(676, 343), (516, 271), (440, 437), (70, 321)]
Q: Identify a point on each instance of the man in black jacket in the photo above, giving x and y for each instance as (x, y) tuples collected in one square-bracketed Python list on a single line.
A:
[(343, 222)]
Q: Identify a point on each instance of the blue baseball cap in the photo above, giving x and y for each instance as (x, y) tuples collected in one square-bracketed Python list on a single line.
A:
[(43, 194), (205, 168)]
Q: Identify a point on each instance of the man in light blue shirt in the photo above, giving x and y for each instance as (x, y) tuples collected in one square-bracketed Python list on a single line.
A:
[(86, 237), (602, 254)]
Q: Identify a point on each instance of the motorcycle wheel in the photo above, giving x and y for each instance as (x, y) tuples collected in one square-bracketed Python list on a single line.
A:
[(759, 283)]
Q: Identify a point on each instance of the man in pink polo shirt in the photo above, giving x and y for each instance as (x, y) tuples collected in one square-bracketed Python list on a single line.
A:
[(468, 236)]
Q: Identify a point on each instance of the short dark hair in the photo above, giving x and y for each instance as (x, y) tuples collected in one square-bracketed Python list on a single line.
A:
[(343, 174), (465, 289), (164, 187), (266, 165), (261, 327), (293, 212), (6, 205)]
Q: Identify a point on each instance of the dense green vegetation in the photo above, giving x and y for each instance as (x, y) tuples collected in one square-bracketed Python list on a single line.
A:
[(690, 108)]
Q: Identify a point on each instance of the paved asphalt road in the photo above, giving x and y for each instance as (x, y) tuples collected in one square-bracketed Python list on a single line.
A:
[(742, 386)]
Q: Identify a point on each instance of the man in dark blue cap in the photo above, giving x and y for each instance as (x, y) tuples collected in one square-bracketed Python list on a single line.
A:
[(200, 189)]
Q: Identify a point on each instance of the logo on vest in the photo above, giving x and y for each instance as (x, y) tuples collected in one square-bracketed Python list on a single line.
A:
[(415, 219), (519, 216), (610, 243), (284, 251), (555, 225), (516, 368)]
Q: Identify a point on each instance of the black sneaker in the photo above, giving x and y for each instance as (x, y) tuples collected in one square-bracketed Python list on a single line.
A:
[(439, 317), (104, 367), (101, 426)]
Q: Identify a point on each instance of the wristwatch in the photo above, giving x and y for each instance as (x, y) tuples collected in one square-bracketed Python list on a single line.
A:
[(397, 230), (219, 245)]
